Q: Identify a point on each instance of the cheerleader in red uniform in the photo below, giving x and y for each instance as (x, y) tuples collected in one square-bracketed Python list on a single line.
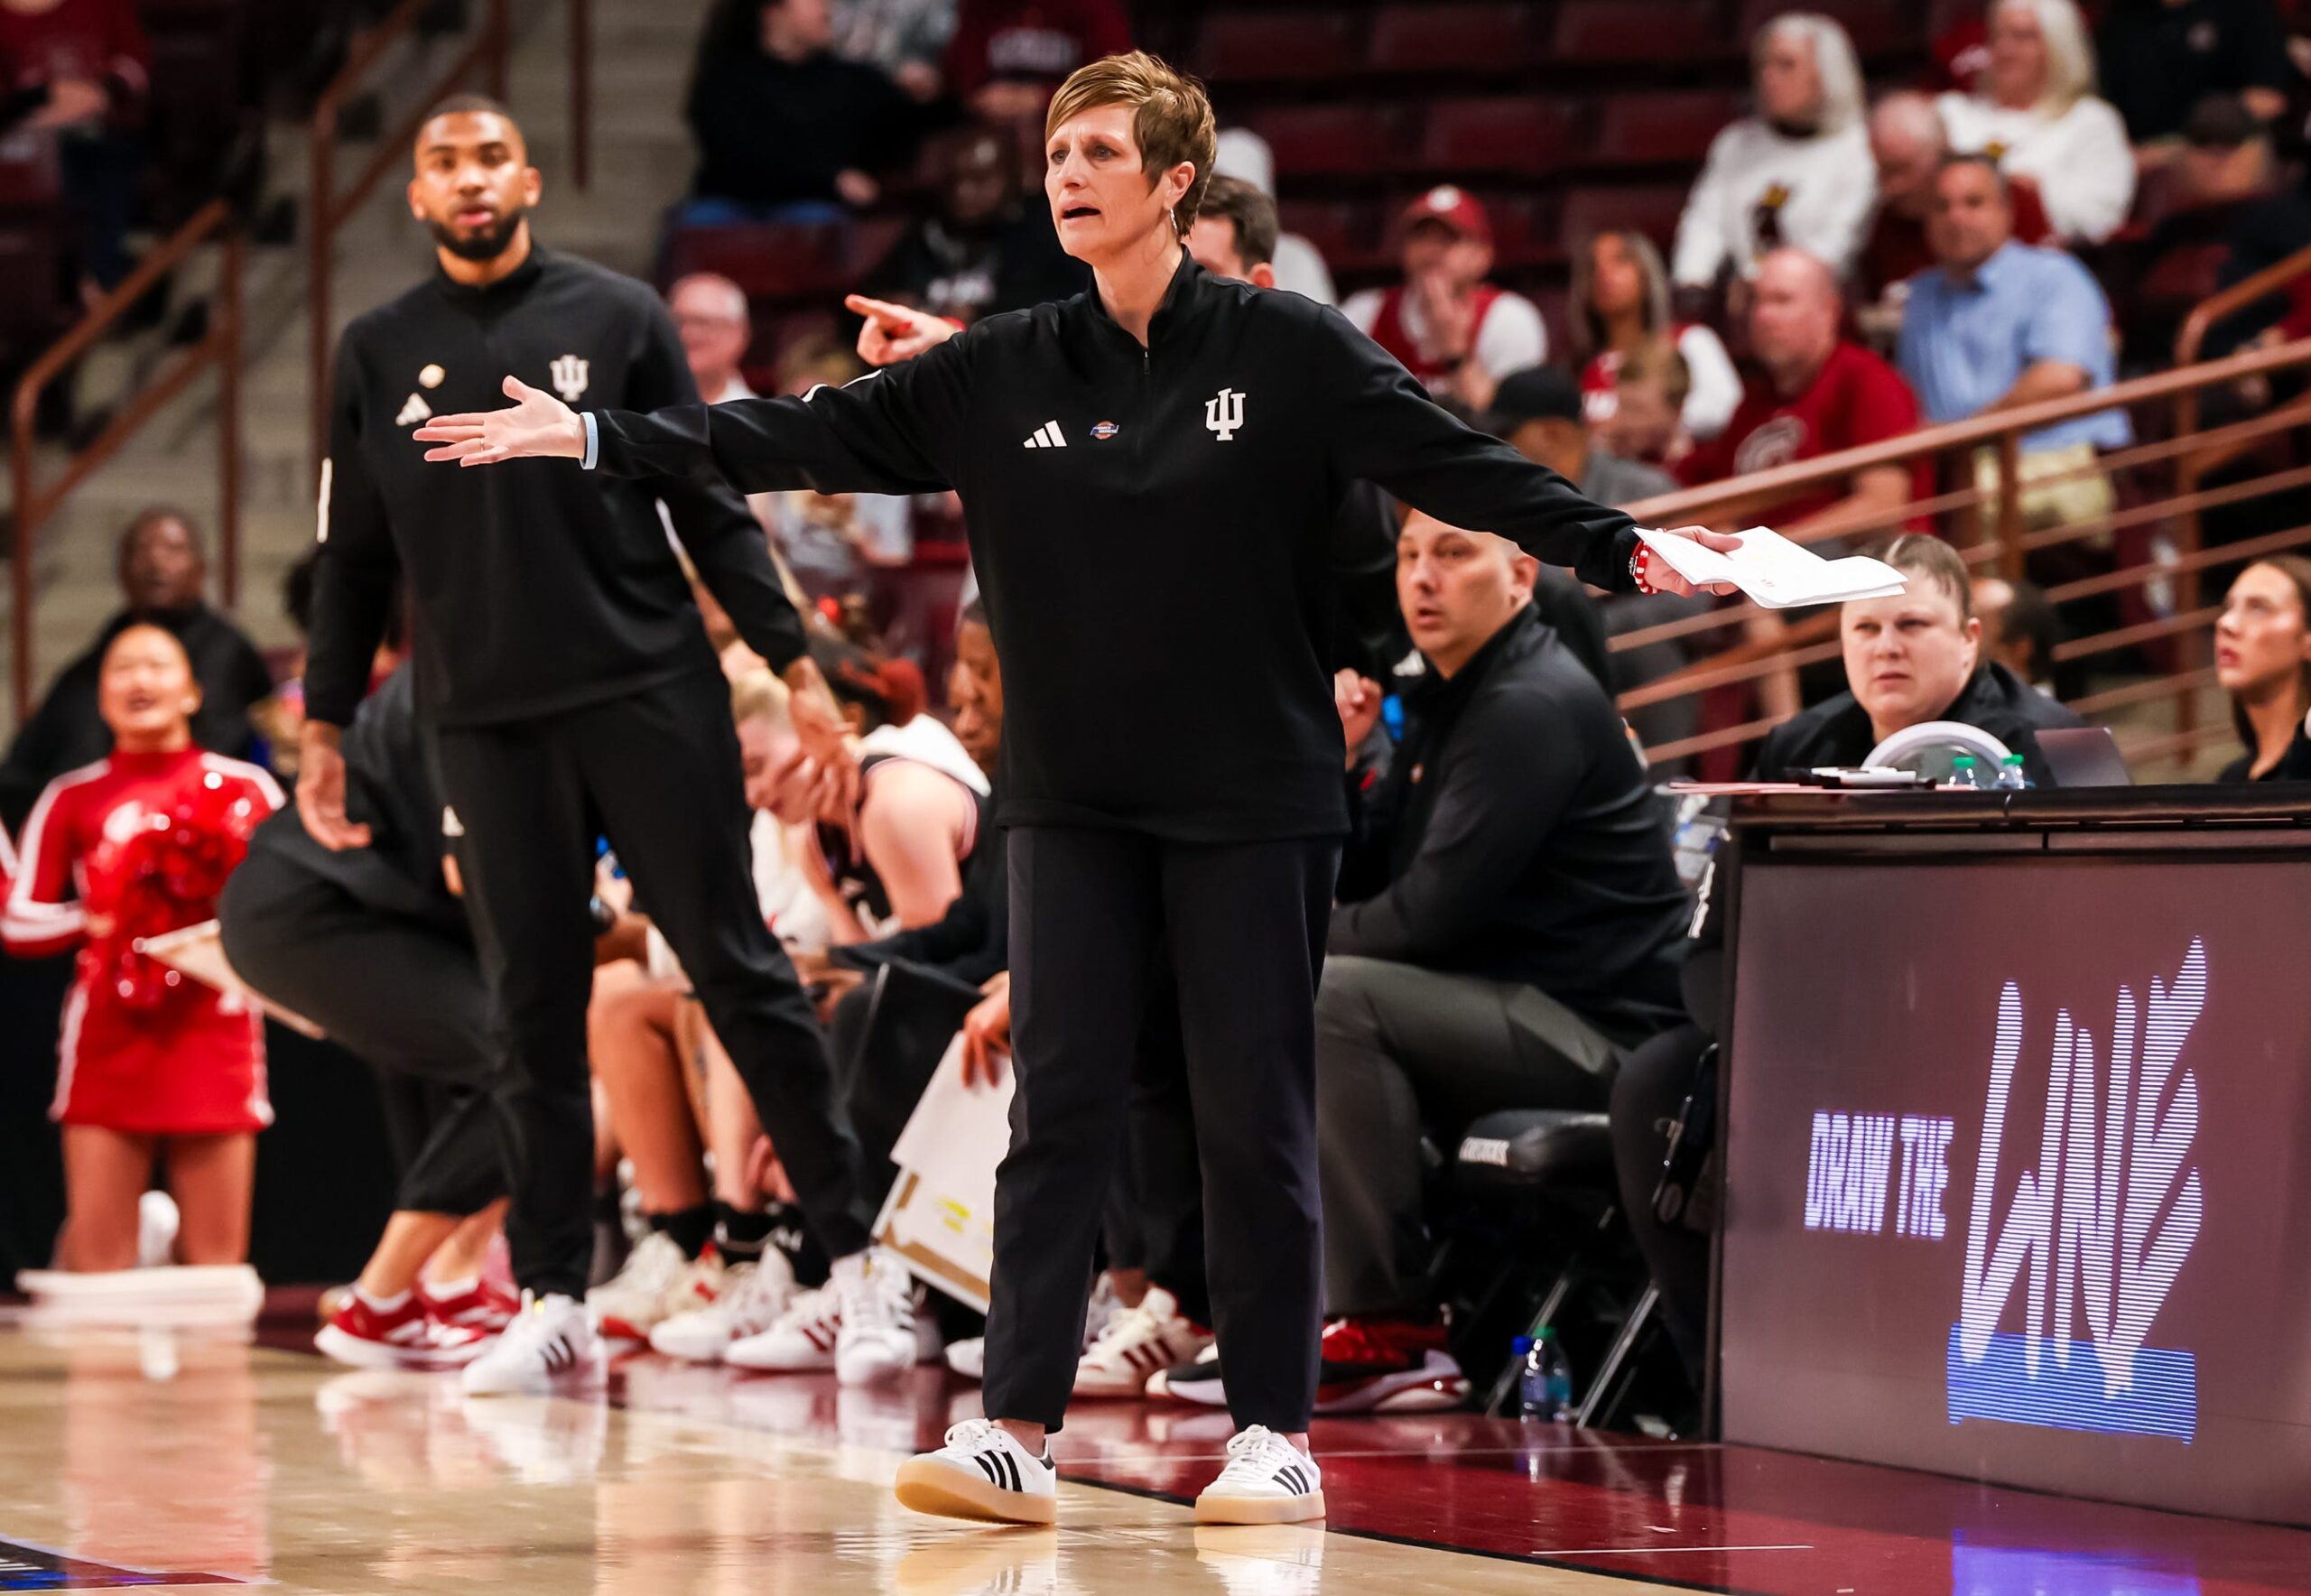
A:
[(136, 845)]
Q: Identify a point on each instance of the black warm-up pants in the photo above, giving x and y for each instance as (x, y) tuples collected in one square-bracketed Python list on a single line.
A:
[(1243, 927), (406, 998), (656, 771)]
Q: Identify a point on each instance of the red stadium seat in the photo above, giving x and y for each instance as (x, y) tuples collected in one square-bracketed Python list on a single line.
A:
[(1337, 228), (1237, 46), (1653, 129), (1330, 140), (1651, 209), (1876, 27), (1451, 38), (1523, 134), (1645, 32), (1524, 230), (771, 262)]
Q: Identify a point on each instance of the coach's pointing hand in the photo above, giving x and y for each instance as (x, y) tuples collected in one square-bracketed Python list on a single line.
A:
[(894, 333), (538, 425)]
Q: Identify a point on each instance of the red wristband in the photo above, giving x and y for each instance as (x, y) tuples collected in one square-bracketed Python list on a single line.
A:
[(1639, 564)]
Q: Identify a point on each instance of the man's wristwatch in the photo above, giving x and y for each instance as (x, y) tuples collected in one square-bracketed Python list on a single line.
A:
[(604, 918)]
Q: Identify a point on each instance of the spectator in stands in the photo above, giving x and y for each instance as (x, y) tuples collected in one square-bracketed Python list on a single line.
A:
[(1506, 925), (2159, 57), (1651, 391), (1539, 413), (80, 69), (1453, 330), (2235, 215), (2262, 657), (2000, 325), (786, 129), (1621, 302), (1542, 413), (902, 38), (1796, 173), (2036, 114), (163, 572), (1820, 393), (2020, 629), (1908, 142), (1009, 56), (711, 314), (1299, 265), (1911, 658), (985, 249)]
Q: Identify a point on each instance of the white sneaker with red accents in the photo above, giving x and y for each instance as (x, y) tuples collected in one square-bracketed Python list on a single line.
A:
[(1267, 1480), (752, 1297), (1137, 1345), (981, 1473), (801, 1339)]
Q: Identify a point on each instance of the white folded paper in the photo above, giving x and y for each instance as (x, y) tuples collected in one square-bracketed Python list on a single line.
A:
[(940, 1216), (1777, 573)]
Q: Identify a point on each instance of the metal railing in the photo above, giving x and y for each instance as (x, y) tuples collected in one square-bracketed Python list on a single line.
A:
[(328, 208), (2165, 490), (219, 347)]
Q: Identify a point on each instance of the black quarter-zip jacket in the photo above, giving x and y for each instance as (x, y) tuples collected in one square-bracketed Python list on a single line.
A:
[(536, 589), (1151, 531)]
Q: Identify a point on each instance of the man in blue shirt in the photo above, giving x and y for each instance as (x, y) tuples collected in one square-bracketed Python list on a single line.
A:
[(1997, 325)]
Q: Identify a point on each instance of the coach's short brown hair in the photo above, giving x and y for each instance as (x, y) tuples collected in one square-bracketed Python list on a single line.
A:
[(1922, 554), (1171, 120), (1249, 212)]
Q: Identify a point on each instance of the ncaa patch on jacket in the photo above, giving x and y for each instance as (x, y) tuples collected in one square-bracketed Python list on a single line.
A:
[(1105, 431)]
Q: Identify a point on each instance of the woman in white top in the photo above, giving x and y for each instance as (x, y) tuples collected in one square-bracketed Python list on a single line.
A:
[(1798, 173), (2037, 113), (1620, 302)]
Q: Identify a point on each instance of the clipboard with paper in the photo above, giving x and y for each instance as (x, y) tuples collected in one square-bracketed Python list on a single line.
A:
[(940, 1215), (199, 951)]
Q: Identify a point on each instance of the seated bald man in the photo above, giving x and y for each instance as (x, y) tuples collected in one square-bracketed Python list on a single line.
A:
[(1509, 921)]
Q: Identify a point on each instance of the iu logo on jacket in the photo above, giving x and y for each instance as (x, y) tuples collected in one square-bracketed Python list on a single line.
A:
[(569, 374)]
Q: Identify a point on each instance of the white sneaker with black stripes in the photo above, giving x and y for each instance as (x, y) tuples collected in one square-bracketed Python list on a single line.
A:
[(550, 1343), (1267, 1480), (981, 1473)]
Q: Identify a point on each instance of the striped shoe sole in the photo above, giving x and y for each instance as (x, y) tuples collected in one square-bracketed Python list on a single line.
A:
[(926, 1485)]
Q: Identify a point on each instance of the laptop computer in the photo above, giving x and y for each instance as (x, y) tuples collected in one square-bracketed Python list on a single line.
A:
[(2084, 757)]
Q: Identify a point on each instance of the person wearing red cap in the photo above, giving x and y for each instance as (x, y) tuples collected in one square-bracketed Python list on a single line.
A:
[(1456, 332)]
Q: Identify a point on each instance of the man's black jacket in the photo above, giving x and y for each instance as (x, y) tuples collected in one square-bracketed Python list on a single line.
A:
[(1514, 838), (66, 732), (1836, 731), (1150, 529), (533, 588), (390, 786)]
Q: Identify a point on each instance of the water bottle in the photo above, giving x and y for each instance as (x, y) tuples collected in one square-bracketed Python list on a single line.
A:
[(1965, 770), (1545, 1383), (2010, 778)]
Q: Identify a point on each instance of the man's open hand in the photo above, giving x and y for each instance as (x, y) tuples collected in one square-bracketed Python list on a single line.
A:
[(537, 426), (321, 791)]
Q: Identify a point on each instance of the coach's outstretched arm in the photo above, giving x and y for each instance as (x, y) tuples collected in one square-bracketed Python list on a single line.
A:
[(890, 432), (1386, 428)]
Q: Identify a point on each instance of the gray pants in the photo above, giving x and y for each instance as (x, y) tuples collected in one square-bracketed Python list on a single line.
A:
[(1397, 1048)]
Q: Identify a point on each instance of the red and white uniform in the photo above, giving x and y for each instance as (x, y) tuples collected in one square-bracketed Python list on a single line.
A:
[(190, 1062), (1508, 334), (1714, 395)]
